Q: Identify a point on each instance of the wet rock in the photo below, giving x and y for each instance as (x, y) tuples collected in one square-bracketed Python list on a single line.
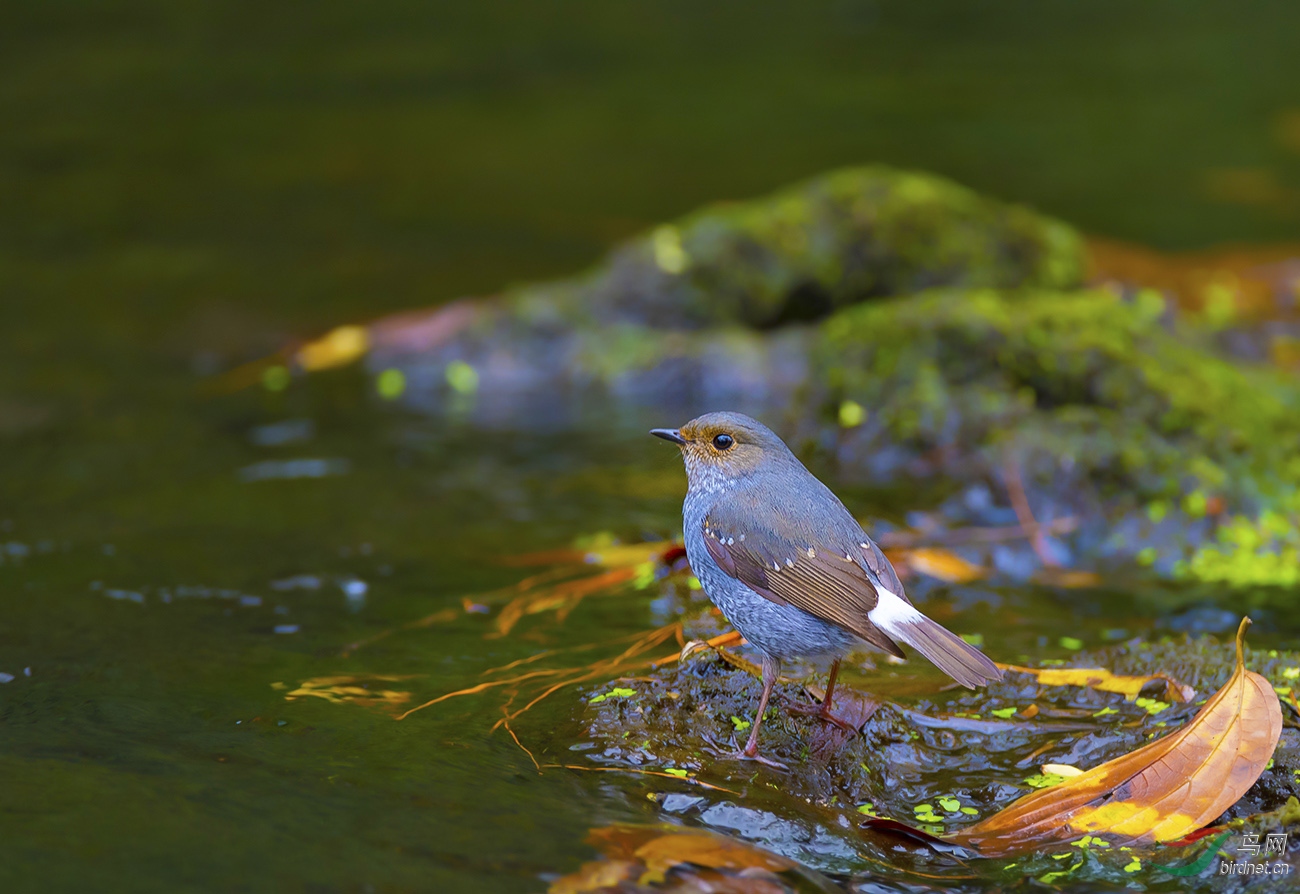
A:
[(937, 762)]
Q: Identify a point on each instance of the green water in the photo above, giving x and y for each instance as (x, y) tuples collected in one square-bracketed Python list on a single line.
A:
[(186, 185)]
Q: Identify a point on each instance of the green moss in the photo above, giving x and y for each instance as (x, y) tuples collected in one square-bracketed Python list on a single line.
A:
[(819, 246), (1084, 387)]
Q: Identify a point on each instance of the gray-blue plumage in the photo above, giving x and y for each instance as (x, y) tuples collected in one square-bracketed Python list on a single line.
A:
[(788, 565), (781, 631)]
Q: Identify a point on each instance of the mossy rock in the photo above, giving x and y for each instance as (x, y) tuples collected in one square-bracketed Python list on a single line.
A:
[(1110, 408), (816, 247)]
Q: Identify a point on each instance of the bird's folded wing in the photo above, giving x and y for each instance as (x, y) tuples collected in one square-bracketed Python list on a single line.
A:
[(829, 580)]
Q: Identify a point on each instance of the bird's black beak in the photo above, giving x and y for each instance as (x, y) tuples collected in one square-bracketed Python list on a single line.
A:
[(669, 434)]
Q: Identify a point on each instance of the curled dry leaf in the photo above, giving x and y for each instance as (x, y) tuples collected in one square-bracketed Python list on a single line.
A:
[(1160, 792), (1100, 678), (730, 638)]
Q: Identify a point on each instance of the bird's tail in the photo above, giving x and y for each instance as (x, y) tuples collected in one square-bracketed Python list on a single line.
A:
[(946, 650)]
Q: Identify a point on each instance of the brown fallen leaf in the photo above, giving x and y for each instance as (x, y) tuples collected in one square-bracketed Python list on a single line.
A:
[(1100, 678), (851, 707), (596, 875), (648, 854), (1159, 792)]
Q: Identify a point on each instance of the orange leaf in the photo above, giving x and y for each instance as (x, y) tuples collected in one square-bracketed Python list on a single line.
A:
[(648, 854), (1159, 792), (1100, 678), (598, 875), (938, 563)]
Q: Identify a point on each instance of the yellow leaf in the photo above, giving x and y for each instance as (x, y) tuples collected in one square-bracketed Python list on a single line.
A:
[(338, 347), (353, 689), (1160, 792), (1063, 770), (938, 563), (1100, 678)]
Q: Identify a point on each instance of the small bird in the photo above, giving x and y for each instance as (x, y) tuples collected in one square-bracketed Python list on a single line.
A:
[(790, 567)]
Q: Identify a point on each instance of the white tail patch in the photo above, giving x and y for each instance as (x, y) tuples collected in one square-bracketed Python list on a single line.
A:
[(950, 653), (894, 614)]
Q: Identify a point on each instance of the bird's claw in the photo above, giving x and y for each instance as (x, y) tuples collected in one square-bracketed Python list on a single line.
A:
[(820, 711), (765, 761), (736, 753)]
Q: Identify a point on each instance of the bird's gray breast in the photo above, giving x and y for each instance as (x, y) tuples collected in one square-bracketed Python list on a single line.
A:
[(781, 631)]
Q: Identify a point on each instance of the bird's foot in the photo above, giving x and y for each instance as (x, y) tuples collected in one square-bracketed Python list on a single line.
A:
[(821, 712), (742, 755), (736, 753)]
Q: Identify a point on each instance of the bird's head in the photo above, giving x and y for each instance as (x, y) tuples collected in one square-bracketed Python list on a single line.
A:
[(722, 447)]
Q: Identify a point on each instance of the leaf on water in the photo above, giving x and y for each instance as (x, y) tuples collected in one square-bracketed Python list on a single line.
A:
[(901, 832), (597, 875), (648, 855), (936, 562), (563, 589), (1062, 770), (355, 690), (1100, 678), (1159, 792), (616, 692)]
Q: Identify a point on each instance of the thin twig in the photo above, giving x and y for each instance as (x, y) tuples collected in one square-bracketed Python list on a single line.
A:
[(525, 750), (691, 780), (1020, 503), (958, 536)]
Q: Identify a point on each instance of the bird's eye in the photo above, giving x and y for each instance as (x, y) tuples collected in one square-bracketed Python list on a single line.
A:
[(723, 442)]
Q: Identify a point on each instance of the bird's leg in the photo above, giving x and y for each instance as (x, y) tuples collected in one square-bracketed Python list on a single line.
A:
[(823, 711), (771, 670)]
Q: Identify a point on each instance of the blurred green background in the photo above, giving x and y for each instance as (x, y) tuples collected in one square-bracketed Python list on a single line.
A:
[(298, 164)]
